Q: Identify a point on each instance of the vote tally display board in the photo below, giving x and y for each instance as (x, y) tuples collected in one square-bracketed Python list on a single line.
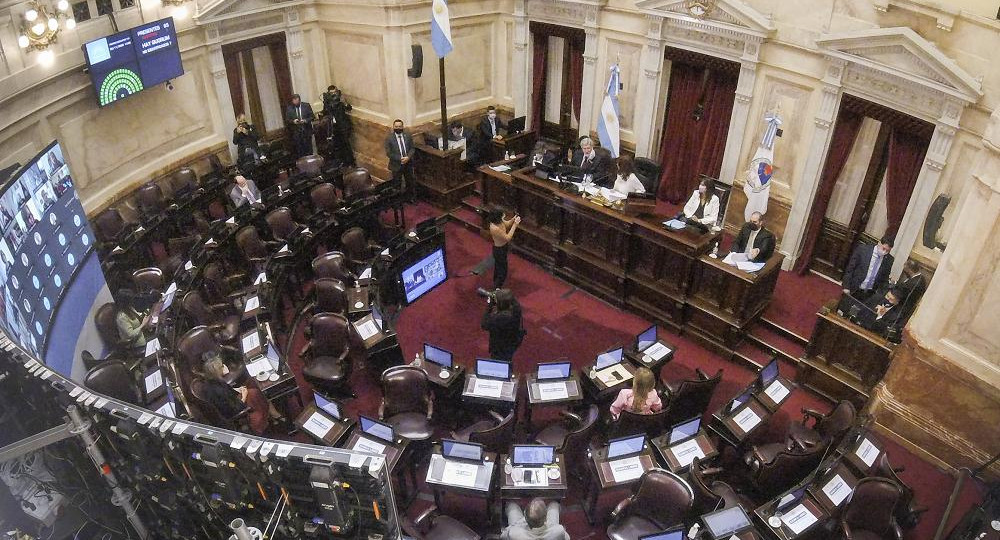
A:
[(128, 62)]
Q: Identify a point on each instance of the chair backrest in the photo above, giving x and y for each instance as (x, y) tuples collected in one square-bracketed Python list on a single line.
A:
[(182, 245), (203, 409), (357, 182), (250, 243), (330, 334), (331, 295), (332, 265), (185, 179), (150, 198), (113, 379), (497, 438), (196, 308), (788, 468), (107, 328), (872, 506), (324, 197), (148, 279), (355, 244), (648, 172), (905, 515), (192, 345), (109, 224), (692, 398), (836, 424), (281, 223), (404, 389), (662, 497), (577, 440), (311, 165), (706, 500), (631, 423)]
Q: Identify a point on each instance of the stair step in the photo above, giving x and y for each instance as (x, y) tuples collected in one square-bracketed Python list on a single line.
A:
[(466, 217), (767, 338), (783, 332)]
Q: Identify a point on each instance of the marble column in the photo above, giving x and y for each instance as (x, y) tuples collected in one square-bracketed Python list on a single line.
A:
[(739, 118), (941, 395), (590, 84), (298, 64), (521, 69), (798, 216), (217, 66), (647, 98)]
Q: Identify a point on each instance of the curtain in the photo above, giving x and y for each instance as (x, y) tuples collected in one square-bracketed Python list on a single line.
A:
[(576, 74), (844, 132), (267, 85), (541, 51), (235, 78), (906, 157), (279, 57), (691, 147)]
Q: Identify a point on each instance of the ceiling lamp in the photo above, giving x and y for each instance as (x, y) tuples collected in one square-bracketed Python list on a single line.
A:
[(180, 10), (40, 25)]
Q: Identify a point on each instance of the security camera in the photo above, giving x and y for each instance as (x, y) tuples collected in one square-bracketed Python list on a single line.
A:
[(170, 85)]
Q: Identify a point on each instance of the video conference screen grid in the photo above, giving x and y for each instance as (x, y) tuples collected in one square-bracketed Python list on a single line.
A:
[(46, 239), (424, 275), (128, 62)]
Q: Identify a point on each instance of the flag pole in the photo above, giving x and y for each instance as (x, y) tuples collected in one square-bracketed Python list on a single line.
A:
[(444, 106)]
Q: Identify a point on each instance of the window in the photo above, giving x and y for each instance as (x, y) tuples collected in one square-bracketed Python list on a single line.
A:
[(104, 7), (84, 10), (81, 11)]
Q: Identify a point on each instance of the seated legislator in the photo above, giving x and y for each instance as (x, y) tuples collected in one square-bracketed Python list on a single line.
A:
[(458, 132), (626, 181), (883, 312), (540, 522), (230, 402), (244, 191), (754, 240), (589, 161), (868, 269), (643, 384), (131, 325), (703, 206)]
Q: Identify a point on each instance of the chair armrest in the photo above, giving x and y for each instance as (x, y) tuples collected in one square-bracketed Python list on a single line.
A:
[(899, 469), (305, 348), (897, 531), (421, 521), (620, 508), (704, 376), (711, 470), (381, 410), (496, 416), (567, 415), (219, 307), (809, 413), (430, 406), (846, 529)]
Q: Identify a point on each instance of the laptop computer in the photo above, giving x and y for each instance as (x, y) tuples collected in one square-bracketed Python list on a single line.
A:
[(609, 358), (553, 371), (327, 405), (371, 327), (532, 455), (383, 432), (740, 400), (647, 344), (462, 451), (516, 125), (684, 431), (722, 524), (676, 533), (768, 374), (439, 357), (787, 500), (488, 368), (624, 447)]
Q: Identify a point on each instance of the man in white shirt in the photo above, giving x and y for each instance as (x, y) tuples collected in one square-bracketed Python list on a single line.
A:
[(540, 522), (244, 192)]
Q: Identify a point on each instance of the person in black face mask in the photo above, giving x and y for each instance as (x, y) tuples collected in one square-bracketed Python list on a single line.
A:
[(754, 240), (399, 148)]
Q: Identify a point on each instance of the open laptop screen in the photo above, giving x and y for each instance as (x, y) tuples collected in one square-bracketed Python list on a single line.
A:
[(493, 369), (645, 339), (460, 450), (724, 523), (740, 400), (677, 533), (685, 430), (769, 373), (377, 316), (609, 358), (626, 446), (330, 407), (554, 370), (438, 356), (533, 455), (377, 429)]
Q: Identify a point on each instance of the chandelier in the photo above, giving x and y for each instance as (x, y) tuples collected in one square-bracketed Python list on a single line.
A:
[(180, 10), (40, 24)]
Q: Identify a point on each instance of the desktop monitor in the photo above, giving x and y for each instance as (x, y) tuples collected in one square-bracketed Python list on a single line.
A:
[(677, 533), (377, 429), (725, 523), (768, 373), (554, 370), (438, 356), (646, 339), (533, 455), (685, 430), (492, 369), (461, 450), (626, 446), (609, 358), (133, 60), (326, 405), (516, 125), (424, 275)]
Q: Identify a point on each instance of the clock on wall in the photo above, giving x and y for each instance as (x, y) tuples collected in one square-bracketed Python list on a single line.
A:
[(700, 8)]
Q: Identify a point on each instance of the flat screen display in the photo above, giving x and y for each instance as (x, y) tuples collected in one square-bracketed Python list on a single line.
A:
[(726, 522), (460, 450), (424, 275), (493, 369), (685, 430), (377, 429), (50, 278), (554, 370), (672, 534), (128, 62), (740, 399), (438, 356), (533, 454), (609, 358), (626, 446), (769, 373), (328, 406), (644, 340)]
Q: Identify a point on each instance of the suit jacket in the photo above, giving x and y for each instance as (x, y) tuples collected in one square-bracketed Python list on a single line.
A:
[(392, 150), (857, 269), (292, 113), (599, 166), (764, 242), (484, 127), (239, 199), (870, 320)]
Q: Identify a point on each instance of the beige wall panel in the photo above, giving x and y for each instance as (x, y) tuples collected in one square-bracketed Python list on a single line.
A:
[(469, 69), (626, 54), (356, 64)]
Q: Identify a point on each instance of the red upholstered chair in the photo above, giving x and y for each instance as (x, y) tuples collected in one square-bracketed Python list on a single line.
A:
[(496, 434), (432, 525), (831, 426), (220, 287), (206, 413), (711, 495), (332, 265), (324, 198), (195, 343), (407, 402), (253, 248), (907, 511), (357, 184), (219, 318), (311, 165), (331, 296), (869, 514), (357, 249), (659, 500), (327, 356), (282, 224), (631, 423), (148, 280), (572, 436), (774, 468), (690, 398), (107, 328), (113, 379), (109, 226)]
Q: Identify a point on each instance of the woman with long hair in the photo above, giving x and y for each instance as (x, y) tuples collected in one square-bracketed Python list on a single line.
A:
[(501, 232), (626, 181), (228, 401), (703, 206), (641, 398)]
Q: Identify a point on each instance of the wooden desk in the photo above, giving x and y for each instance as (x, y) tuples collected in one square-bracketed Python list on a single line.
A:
[(767, 395), (598, 390), (640, 359), (839, 481), (782, 532), (537, 395), (724, 424), (441, 175), (392, 453), (481, 489), (557, 488), (518, 143), (677, 464), (507, 398), (312, 425), (843, 360), (603, 479), (724, 301)]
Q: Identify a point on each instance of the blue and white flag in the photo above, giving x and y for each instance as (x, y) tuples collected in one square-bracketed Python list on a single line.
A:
[(440, 28), (608, 129), (758, 179)]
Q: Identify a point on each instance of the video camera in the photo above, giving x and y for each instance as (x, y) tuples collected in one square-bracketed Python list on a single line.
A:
[(490, 296)]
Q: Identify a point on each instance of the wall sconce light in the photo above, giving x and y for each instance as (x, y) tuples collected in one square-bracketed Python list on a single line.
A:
[(40, 25), (180, 10)]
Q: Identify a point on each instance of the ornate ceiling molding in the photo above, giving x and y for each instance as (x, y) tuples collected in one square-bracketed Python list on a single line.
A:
[(579, 13), (723, 28), (211, 11)]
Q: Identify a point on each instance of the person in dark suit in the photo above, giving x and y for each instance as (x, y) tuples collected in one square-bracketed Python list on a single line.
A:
[(247, 142), (339, 128), (590, 162), (911, 285), (244, 191), (868, 269), (754, 240), (399, 148), (299, 117), (490, 126), (883, 312)]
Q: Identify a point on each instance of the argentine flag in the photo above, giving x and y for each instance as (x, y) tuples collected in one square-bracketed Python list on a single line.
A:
[(440, 28), (607, 124)]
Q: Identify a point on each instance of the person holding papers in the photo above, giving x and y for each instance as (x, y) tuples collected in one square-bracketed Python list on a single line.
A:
[(540, 522), (244, 192), (703, 206), (230, 402), (131, 325), (503, 321), (882, 313), (626, 181), (643, 384), (754, 241)]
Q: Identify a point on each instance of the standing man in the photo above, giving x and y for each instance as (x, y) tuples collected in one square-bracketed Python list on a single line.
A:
[(299, 117), (339, 127), (754, 240), (399, 148), (868, 269), (503, 322)]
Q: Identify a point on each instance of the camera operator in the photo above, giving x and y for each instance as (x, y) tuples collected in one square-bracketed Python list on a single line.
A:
[(503, 321), (338, 125), (247, 142)]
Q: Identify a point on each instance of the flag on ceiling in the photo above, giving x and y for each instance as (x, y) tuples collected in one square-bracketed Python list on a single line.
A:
[(440, 28), (607, 124), (758, 178)]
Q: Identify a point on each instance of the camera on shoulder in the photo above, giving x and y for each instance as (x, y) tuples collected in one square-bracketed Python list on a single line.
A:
[(490, 296)]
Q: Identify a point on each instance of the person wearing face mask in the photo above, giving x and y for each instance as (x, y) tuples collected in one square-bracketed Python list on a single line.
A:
[(590, 162), (299, 117), (399, 148), (754, 240), (868, 269), (244, 191), (490, 127), (626, 181), (703, 206)]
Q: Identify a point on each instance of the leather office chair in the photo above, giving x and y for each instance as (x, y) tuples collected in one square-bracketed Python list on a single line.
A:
[(109, 226), (690, 398), (659, 500), (407, 402), (571, 437), (648, 172), (324, 198), (207, 413), (148, 280), (432, 525), (357, 184), (181, 246), (775, 468), (220, 287), (225, 326), (150, 200), (869, 514), (195, 343), (332, 265), (282, 224), (311, 166), (831, 426), (327, 355), (496, 435), (712, 495), (907, 512), (185, 180), (107, 328), (129, 209), (632, 423), (358, 250), (113, 379), (331, 296), (253, 248)]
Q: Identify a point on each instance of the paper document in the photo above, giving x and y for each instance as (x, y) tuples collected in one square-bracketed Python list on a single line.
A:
[(798, 519), (188, 265), (210, 242), (258, 366), (231, 221), (675, 224), (459, 474), (747, 420), (238, 442), (607, 375), (153, 381), (252, 304), (179, 428), (735, 257), (284, 450), (172, 288), (384, 251), (368, 445), (749, 266), (152, 346), (612, 195), (529, 477), (837, 489), (553, 390), (250, 342), (487, 388), (501, 168), (261, 278), (367, 274), (867, 452), (284, 249), (167, 410), (687, 451), (367, 329), (776, 391), (318, 425), (657, 351), (266, 448), (623, 470), (117, 249), (306, 231)]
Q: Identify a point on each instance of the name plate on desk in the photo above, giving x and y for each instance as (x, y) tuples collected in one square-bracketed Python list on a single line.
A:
[(798, 519), (487, 388), (367, 329), (777, 392), (251, 342), (319, 425), (252, 304), (746, 420), (459, 474), (368, 445), (553, 390), (867, 452), (623, 470), (837, 490), (687, 451), (152, 346)]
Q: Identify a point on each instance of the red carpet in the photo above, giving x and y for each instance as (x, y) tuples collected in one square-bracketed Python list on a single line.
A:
[(565, 322), (797, 299)]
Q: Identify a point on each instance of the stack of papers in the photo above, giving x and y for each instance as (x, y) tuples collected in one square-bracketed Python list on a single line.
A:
[(553, 390), (501, 168), (675, 224), (740, 261), (607, 375)]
